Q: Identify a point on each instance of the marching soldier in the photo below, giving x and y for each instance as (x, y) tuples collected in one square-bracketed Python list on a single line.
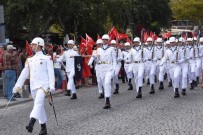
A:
[(192, 63), (97, 68), (150, 63), (184, 65), (159, 52), (198, 60), (119, 57), (68, 56), (174, 55), (42, 80), (127, 64), (107, 60), (138, 65)]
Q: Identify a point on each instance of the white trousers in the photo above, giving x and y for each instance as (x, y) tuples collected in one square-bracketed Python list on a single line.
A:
[(71, 84), (128, 71), (192, 75), (99, 81), (184, 75), (117, 70), (150, 69), (175, 72), (138, 72), (38, 111), (106, 77), (198, 67), (161, 72)]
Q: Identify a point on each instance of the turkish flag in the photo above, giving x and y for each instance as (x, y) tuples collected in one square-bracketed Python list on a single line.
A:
[(121, 36), (98, 37), (145, 36), (113, 33), (82, 44), (28, 49), (89, 44)]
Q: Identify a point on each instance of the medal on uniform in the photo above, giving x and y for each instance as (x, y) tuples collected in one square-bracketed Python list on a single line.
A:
[(41, 62)]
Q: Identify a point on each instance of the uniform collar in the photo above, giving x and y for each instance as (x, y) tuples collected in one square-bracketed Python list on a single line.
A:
[(137, 48), (159, 47), (173, 48), (39, 53)]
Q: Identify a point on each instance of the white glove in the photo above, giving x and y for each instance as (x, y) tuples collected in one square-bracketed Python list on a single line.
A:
[(90, 66), (16, 89)]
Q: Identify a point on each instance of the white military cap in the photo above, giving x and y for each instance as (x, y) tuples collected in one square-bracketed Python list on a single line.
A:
[(113, 41), (137, 39), (99, 41), (159, 40), (172, 39), (127, 44), (105, 36), (149, 39), (181, 39), (201, 39), (39, 41), (195, 39), (167, 42), (189, 40), (71, 42)]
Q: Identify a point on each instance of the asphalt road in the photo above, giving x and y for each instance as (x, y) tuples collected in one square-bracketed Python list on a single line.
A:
[(158, 114)]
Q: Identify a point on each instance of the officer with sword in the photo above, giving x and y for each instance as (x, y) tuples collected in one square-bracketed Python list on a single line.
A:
[(40, 70)]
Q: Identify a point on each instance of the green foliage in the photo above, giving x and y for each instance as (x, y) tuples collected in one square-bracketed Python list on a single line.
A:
[(82, 16), (191, 10)]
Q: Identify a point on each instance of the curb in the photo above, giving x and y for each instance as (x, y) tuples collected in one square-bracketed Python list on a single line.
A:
[(24, 101)]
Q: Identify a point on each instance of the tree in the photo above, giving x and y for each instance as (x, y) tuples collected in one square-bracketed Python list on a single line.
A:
[(192, 10)]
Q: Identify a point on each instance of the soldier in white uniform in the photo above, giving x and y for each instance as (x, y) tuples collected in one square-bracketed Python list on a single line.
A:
[(68, 56), (198, 61), (192, 63), (184, 65), (138, 65), (150, 63), (159, 52), (107, 60), (42, 80), (119, 58), (201, 50), (175, 58), (167, 64), (97, 68), (127, 64)]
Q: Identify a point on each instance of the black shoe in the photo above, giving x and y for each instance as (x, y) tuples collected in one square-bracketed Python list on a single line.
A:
[(148, 83), (152, 89), (77, 87), (176, 93), (30, 126), (101, 96), (191, 86), (170, 84), (43, 130), (197, 80), (183, 92), (139, 94), (107, 105), (165, 76), (194, 83), (123, 81), (161, 87), (116, 90), (68, 93), (74, 96), (155, 79), (130, 87)]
